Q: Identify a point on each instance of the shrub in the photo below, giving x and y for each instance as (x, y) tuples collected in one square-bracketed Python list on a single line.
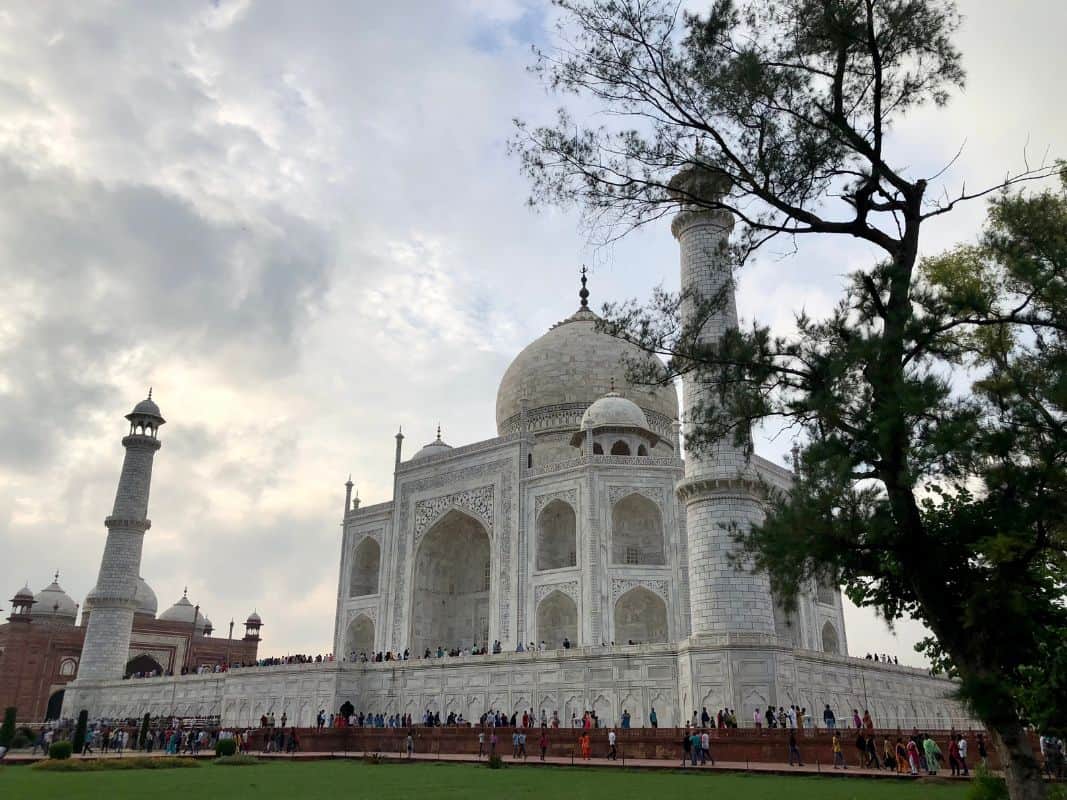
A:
[(19, 741), (495, 762), (373, 758), (987, 786), (29, 733), (7, 729), (79, 731), (60, 750), (225, 747)]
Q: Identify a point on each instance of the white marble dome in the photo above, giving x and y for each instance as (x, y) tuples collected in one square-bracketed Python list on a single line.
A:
[(434, 448), (184, 611), (147, 603), (52, 601), (615, 410), (572, 366)]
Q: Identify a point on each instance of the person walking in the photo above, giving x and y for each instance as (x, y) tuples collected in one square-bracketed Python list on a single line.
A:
[(687, 749), (757, 718), (586, 746), (839, 755), (793, 751), (953, 754), (983, 754), (933, 755), (694, 746), (705, 749), (653, 720), (961, 746), (612, 752), (544, 743), (409, 745), (913, 756), (481, 743)]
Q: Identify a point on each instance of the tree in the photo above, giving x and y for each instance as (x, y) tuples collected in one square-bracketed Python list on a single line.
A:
[(778, 113), (7, 728)]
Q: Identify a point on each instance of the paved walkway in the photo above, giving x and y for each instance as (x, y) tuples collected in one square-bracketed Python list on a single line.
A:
[(24, 757)]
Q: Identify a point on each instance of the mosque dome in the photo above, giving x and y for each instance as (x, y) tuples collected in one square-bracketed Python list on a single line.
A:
[(614, 410), (569, 368), (146, 599), (25, 593), (53, 602), (254, 619), (146, 408), (434, 448), (184, 611)]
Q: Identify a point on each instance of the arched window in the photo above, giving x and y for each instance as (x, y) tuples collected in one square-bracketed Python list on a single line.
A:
[(597, 449), (366, 563), (829, 639), (640, 617), (67, 667), (620, 448), (557, 619), (642, 450), (636, 531), (556, 536)]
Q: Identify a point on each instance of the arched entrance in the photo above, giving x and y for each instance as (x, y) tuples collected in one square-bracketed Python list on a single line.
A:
[(55, 706), (557, 618), (360, 637), (640, 617), (366, 561), (143, 664), (450, 604)]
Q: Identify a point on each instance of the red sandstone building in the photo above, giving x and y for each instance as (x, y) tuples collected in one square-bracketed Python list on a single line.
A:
[(41, 644)]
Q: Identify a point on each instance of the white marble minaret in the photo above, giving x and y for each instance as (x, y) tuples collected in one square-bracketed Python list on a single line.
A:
[(111, 603), (720, 489)]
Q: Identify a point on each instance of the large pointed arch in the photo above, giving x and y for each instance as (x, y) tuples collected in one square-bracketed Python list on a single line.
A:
[(366, 566), (557, 619), (640, 617), (450, 601), (831, 643)]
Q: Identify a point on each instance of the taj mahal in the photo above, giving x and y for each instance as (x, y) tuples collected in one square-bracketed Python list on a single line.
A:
[(577, 561)]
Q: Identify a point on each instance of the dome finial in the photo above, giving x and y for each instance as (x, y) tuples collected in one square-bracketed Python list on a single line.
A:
[(438, 431), (56, 578), (584, 293), (185, 592), (613, 384), (149, 392)]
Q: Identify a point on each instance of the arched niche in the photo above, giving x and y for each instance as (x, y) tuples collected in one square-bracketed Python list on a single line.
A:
[(830, 642), (366, 564), (640, 617), (450, 603), (557, 527), (620, 448), (143, 664), (557, 619), (359, 638), (636, 531)]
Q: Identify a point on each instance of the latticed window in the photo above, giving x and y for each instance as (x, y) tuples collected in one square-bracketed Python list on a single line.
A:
[(633, 555), (485, 578)]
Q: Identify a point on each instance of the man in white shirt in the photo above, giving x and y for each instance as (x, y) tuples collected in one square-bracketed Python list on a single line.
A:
[(612, 753), (791, 717), (757, 718)]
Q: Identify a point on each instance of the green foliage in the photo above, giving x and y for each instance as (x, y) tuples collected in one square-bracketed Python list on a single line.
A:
[(114, 764), (80, 730), (495, 762), (7, 728), (225, 747), (19, 742), (60, 751), (986, 786), (373, 758)]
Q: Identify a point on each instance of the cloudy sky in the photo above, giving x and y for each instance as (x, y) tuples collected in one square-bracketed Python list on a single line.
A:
[(298, 222)]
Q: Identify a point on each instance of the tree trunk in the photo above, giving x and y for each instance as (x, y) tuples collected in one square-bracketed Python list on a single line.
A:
[(1021, 770)]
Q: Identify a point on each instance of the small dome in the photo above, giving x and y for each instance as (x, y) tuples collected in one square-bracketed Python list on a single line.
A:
[(615, 410), (52, 601), (146, 408), (184, 611), (434, 448), (146, 599), (25, 593), (254, 619)]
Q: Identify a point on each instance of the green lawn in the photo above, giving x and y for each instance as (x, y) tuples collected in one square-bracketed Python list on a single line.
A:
[(331, 780)]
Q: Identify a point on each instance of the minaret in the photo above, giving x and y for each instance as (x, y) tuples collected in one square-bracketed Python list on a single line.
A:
[(348, 494), (112, 602), (720, 490)]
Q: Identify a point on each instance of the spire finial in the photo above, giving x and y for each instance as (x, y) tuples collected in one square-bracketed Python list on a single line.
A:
[(185, 592), (149, 392), (349, 481), (584, 293), (613, 384), (438, 431), (56, 578)]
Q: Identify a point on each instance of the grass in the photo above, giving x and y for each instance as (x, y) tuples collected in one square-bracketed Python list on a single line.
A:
[(328, 780)]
